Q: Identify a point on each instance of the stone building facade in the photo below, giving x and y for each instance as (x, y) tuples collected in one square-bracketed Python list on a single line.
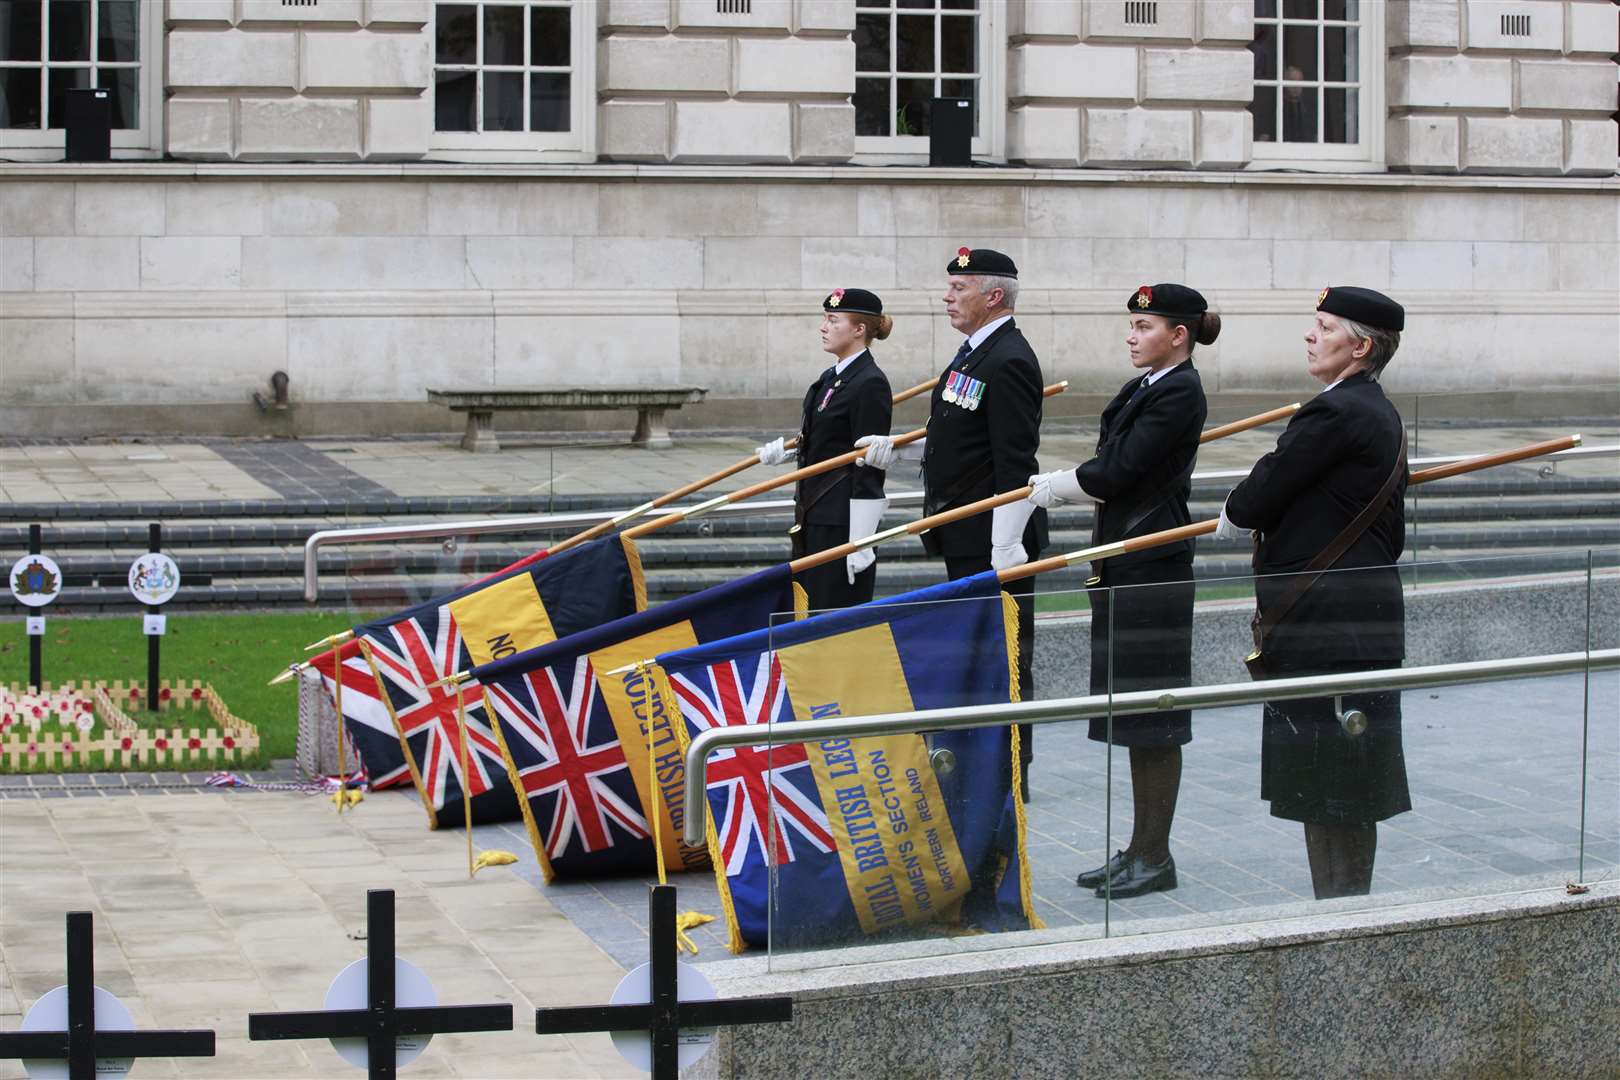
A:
[(377, 196)]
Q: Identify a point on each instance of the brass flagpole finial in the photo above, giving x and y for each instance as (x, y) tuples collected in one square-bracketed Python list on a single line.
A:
[(328, 642), (290, 672), (456, 679)]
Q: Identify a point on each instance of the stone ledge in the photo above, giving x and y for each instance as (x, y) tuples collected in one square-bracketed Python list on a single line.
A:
[(480, 303), (787, 174)]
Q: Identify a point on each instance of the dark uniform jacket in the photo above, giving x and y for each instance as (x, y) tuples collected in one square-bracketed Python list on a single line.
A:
[(972, 454), (1144, 463), (861, 404), (1330, 462)]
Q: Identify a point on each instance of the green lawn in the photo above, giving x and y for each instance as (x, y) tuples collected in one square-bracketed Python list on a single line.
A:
[(237, 654)]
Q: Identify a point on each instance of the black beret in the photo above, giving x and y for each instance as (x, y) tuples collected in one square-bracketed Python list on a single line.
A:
[(981, 261), (853, 301), (1365, 306), (1166, 299)]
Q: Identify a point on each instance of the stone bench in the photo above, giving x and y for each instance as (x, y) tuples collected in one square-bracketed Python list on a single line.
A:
[(481, 403)]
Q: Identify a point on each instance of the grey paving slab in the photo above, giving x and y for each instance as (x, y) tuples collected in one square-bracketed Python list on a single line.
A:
[(186, 948)]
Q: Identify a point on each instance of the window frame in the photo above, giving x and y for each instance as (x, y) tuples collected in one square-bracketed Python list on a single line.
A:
[(990, 144), (144, 141), (575, 145), (1367, 153)]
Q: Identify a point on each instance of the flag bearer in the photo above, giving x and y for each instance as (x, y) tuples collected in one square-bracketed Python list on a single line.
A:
[(1142, 604), (984, 428), (1330, 498), (849, 400)]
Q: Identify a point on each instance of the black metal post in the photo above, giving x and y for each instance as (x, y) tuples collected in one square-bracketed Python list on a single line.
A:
[(36, 642), (153, 641), (665, 995)]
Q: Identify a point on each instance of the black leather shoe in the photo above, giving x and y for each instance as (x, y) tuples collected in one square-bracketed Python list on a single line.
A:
[(1138, 876), (1090, 879)]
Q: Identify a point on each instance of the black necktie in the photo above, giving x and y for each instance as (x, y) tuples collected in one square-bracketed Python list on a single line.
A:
[(1141, 386), (962, 353)]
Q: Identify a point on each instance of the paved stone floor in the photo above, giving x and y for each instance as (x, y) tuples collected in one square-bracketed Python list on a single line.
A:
[(214, 904), (338, 470)]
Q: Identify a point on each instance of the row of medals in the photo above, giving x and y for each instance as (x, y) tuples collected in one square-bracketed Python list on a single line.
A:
[(963, 391)]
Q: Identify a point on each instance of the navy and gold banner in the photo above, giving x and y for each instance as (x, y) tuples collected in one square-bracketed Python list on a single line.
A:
[(500, 616), (863, 836), (591, 746)]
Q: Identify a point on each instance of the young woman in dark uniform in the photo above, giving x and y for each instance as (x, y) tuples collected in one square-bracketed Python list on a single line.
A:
[(1332, 497), (1142, 604), (849, 400)]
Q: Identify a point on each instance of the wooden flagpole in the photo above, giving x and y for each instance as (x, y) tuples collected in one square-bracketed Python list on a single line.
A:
[(957, 514), (1203, 528), (605, 527), (787, 478)]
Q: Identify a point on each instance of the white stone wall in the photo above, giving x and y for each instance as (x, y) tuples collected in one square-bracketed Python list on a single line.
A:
[(1085, 88), (186, 286), (680, 81), (1502, 86), (254, 80)]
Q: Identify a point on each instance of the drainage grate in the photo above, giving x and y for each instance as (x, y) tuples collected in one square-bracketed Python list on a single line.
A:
[(1141, 13), (733, 7), (1515, 26)]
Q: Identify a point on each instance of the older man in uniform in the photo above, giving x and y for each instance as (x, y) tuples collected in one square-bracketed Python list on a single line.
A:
[(984, 428)]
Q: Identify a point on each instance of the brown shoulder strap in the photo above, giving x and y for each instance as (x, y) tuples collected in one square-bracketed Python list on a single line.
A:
[(1268, 620)]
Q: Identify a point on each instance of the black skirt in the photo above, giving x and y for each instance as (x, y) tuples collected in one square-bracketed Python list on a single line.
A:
[(828, 585), (1312, 770), (1152, 623)]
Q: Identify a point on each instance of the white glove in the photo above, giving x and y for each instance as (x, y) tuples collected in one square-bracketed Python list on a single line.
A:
[(1228, 531), (881, 451), (1007, 534), (773, 453), (864, 516), (1055, 487)]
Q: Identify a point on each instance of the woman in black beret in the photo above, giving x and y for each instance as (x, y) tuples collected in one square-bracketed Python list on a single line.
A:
[(849, 400), (1330, 498), (1142, 604)]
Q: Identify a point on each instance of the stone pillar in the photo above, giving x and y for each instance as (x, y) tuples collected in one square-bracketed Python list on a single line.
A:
[(1488, 86), (257, 80), (1130, 84)]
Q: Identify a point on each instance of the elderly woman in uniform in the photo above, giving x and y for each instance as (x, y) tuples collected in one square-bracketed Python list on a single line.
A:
[(849, 400), (1142, 604), (1330, 498)]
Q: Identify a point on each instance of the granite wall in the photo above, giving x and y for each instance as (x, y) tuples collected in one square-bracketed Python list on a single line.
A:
[(1525, 985)]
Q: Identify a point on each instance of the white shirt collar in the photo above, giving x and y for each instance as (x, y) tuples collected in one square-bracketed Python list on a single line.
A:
[(1331, 385), (1155, 376), (838, 368), (977, 337)]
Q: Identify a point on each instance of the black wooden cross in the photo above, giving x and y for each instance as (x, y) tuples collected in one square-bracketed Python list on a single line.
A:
[(81, 1044), (381, 1020), (665, 1014)]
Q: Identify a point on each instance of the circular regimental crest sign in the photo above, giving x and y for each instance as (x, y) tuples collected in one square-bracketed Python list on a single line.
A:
[(154, 578), (50, 1013), (411, 991), (636, 989), (35, 580)]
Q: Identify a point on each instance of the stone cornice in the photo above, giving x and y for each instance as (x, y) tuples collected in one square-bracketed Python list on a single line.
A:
[(792, 174)]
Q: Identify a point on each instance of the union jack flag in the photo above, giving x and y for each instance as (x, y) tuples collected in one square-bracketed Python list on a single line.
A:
[(568, 759), (770, 793), (366, 718), (411, 655)]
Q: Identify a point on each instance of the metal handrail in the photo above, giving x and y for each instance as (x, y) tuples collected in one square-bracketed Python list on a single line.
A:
[(536, 522), (1133, 703)]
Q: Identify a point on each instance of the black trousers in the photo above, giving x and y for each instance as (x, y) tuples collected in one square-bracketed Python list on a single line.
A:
[(1023, 594), (828, 585)]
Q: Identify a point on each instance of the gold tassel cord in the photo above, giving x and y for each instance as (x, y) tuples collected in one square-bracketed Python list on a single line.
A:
[(494, 856)]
